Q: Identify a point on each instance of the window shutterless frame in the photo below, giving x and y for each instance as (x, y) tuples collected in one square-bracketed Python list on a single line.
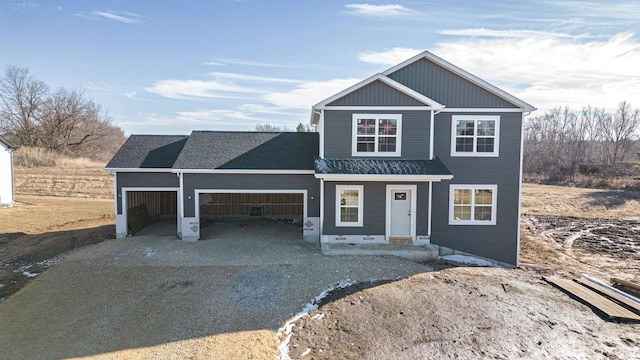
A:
[(473, 204), (475, 135), (376, 135), (349, 205)]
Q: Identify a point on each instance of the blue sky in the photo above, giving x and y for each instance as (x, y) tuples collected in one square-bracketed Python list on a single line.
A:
[(163, 67)]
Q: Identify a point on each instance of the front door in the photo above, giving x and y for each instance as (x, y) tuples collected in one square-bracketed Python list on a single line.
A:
[(401, 212)]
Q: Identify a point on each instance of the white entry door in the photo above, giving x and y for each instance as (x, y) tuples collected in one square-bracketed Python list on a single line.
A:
[(401, 214)]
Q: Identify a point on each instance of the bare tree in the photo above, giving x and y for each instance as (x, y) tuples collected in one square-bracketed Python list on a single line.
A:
[(618, 130), (21, 100), (270, 128)]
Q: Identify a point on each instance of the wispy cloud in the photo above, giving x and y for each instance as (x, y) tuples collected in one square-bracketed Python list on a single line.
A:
[(236, 76), (380, 11), (130, 95), (620, 10), (309, 93), (119, 16), (199, 89), (388, 56), (550, 71), (482, 32), (254, 63), (25, 4), (213, 63)]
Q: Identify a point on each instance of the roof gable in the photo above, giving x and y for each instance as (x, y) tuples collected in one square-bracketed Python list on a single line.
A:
[(249, 151), (8, 144), (148, 152), (376, 93), (426, 73)]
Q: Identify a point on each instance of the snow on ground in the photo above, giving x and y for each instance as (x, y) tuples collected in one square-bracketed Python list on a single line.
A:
[(468, 260), (29, 274), (312, 305)]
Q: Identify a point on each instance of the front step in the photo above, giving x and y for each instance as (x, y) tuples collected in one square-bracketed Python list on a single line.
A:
[(418, 253)]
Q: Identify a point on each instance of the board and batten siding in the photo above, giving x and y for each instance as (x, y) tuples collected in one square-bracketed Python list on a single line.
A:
[(338, 126), (376, 94), (144, 180), (266, 182), (374, 217), (498, 241), (445, 87)]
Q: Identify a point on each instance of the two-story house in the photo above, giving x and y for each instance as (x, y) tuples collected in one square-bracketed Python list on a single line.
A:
[(423, 153)]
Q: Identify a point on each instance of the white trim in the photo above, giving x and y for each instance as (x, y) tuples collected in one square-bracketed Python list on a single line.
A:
[(115, 190), (124, 191), (379, 108), (429, 207), (482, 110), (197, 192), (466, 75), (368, 177), (376, 136), (321, 206), (520, 192), (340, 223), (321, 122), (181, 177), (143, 170), (242, 171), (390, 82), (475, 118), (431, 136), (494, 203), (414, 197)]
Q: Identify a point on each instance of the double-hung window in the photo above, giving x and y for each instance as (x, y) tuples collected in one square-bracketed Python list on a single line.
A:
[(349, 205), (376, 135), (472, 204), (475, 135)]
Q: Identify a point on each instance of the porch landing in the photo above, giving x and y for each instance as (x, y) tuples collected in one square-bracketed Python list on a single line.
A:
[(416, 253)]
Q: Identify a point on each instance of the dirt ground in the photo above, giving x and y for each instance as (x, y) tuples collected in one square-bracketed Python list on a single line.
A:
[(91, 182), (495, 313), (452, 313), (37, 230)]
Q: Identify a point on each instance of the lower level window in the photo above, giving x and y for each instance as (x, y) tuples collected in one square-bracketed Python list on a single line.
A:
[(349, 205), (472, 204)]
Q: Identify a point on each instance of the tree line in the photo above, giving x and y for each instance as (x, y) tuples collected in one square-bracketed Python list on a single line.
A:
[(63, 121), (590, 141)]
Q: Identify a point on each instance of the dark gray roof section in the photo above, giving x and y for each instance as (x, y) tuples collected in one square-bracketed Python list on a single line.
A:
[(249, 150), (381, 167), (8, 143), (148, 151)]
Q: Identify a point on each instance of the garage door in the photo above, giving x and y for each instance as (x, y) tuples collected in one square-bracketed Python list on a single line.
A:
[(145, 207), (255, 205)]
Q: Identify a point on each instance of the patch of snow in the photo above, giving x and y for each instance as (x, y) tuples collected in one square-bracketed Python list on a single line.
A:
[(149, 252), (312, 305), (468, 260), (30, 274)]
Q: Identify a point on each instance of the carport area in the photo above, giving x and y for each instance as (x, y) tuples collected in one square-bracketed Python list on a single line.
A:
[(150, 211), (215, 206)]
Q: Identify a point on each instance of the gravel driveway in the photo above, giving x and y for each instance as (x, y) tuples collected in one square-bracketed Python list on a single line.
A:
[(166, 295)]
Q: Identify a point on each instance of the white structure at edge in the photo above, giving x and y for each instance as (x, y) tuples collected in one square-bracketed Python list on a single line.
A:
[(6, 174)]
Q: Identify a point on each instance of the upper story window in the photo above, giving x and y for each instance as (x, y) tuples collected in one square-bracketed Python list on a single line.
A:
[(475, 135), (376, 135)]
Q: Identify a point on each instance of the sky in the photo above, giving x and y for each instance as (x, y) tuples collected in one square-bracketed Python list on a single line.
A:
[(170, 67)]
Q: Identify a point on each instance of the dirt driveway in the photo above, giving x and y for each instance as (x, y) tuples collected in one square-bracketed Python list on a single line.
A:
[(156, 297)]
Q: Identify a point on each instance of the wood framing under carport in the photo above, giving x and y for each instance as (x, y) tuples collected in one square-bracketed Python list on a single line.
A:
[(127, 191)]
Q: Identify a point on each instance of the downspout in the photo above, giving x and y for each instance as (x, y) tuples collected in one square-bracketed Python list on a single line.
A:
[(13, 195), (429, 210), (180, 204), (321, 210)]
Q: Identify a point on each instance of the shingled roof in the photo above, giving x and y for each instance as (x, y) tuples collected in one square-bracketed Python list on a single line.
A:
[(381, 167), (148, 151), (8, 144), (249, 150)]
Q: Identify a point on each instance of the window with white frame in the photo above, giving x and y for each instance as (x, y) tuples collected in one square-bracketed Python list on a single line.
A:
[(376, 134), (475, 135), (472, 204), (349, 205)]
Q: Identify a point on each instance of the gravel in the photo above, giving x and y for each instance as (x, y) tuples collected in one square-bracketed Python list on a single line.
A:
[(145, 291)]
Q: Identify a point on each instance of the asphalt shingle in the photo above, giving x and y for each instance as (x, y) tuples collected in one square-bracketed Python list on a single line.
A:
[(148, 151), (381, 167), (249, 150)]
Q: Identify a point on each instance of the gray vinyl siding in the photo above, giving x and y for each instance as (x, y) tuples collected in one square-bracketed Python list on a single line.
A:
[(191, 182), (144, 180), (445, 87), (498, 241), (374, 216), (376, 94), (338, 126)]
